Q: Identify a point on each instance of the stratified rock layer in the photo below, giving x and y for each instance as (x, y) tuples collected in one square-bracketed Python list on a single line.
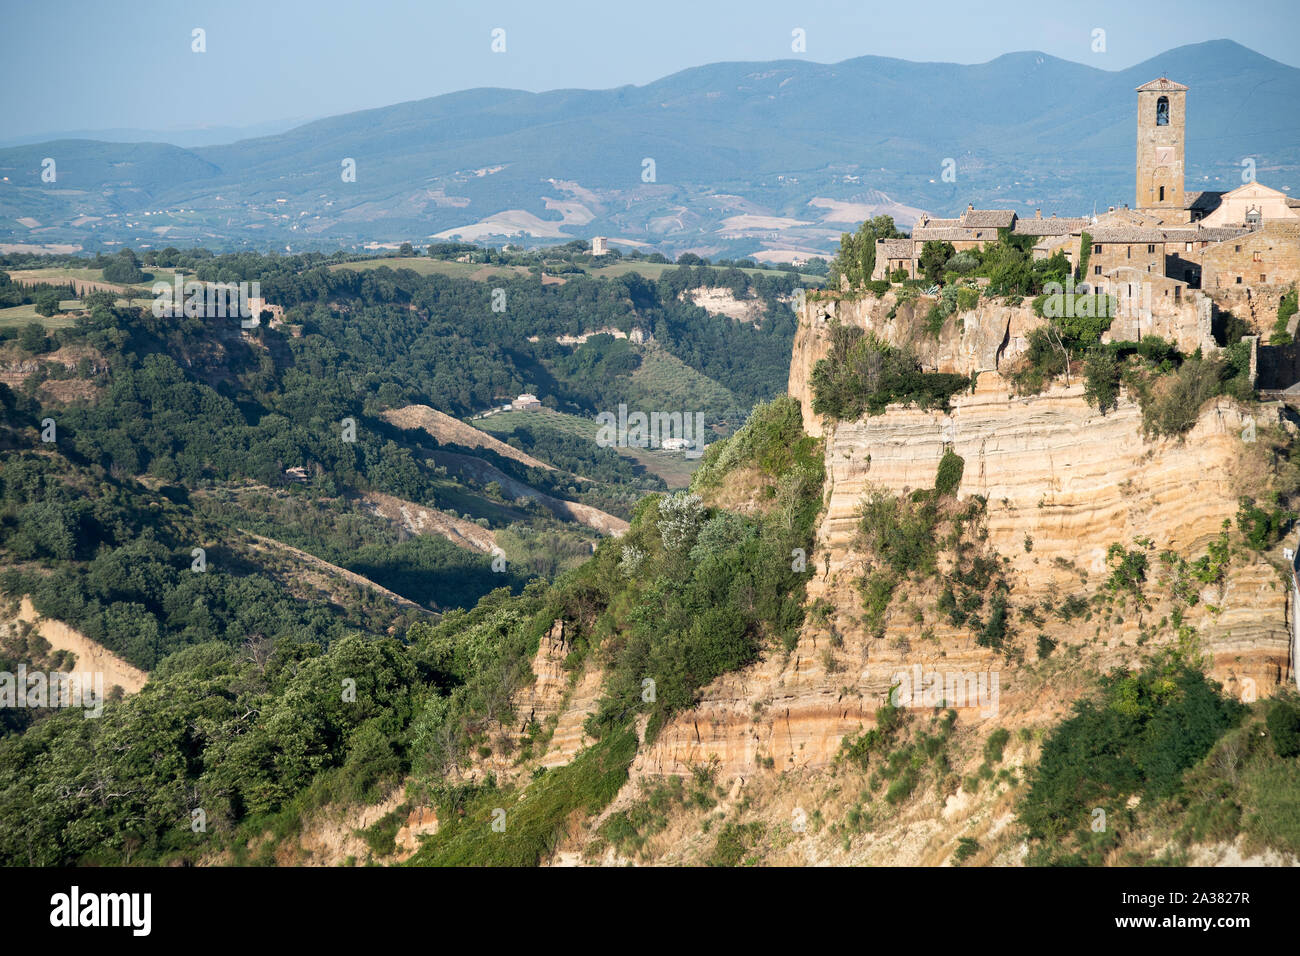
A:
[(1062, 484)]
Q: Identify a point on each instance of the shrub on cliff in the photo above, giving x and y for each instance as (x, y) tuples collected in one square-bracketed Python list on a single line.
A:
[(1101, 380), (1285, 309), (948, 477), (1171, 404), (962, 262), (1263, 527), (863, 375), (772, 440), (1139, 737), (1284, 728), (1041, 363)]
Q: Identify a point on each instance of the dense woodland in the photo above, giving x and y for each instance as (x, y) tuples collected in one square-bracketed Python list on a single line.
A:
[(247, 721)]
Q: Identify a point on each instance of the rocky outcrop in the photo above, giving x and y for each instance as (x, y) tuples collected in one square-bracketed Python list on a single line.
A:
[(1062, 484), (558, 700), (986, 338), (90, 657)]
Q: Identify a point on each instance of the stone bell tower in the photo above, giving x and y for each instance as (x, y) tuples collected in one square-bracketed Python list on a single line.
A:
[(1161, 129)]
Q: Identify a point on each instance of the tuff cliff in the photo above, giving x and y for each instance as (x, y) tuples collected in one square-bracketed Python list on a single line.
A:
[(1058, 476), (1063, 483)]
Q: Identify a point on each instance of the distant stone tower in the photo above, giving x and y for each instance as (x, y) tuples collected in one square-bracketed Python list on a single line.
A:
[(1162, 125)]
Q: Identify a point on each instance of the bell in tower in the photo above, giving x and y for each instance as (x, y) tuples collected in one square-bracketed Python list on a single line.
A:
[(1161, 128)]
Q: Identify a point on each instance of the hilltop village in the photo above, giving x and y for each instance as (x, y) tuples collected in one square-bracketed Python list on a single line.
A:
[(1235, 251)]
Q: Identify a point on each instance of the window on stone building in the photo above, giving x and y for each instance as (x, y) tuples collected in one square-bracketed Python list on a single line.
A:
[(1151, 247), (1162, 193), (1238, 280), (1162, 113), (1097, 247), (1096, 270), (1263, 280), (1259, 257)]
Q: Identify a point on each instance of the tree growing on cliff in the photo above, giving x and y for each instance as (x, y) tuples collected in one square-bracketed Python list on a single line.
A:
[(1060, 341), (1101, 380), (857, 256), (947, 478)]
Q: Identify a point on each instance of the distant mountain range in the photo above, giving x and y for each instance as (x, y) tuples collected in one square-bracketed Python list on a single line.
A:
[(766, 159), (186, 136)]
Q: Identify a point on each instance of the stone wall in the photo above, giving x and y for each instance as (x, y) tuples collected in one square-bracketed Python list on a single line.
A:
[(1270, 256)]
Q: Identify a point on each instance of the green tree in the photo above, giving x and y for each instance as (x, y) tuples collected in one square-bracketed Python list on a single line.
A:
[(47, 303), (32, 337), (857, 255), (1101, 380), (1284, 727), (124, 270), (934, 255)]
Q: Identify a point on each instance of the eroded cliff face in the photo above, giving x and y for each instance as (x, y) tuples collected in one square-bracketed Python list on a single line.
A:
[(988, 338), (1062, 484), (1059, 485)]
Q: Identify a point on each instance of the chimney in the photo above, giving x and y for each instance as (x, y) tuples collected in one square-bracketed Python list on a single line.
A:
[(970, 206), (1110, 208), (1038, 214)]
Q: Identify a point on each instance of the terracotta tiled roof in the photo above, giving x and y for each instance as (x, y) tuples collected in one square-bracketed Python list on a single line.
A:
[(1207, 200), (988, 218), (1164, 85), (1052, 243), (894, 248), (926, 233), (1204, 234), (1126, 234), (1061, 226), (1273, 229), (1120, 233)]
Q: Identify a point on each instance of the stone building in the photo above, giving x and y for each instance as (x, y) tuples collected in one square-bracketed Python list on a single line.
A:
[(1267, 256), (1161, 135), (1132, 247), (1169, 234), (1248, 207), (891, 255)]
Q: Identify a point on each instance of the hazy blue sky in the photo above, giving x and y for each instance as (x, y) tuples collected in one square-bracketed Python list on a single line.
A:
[(97, 64)]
